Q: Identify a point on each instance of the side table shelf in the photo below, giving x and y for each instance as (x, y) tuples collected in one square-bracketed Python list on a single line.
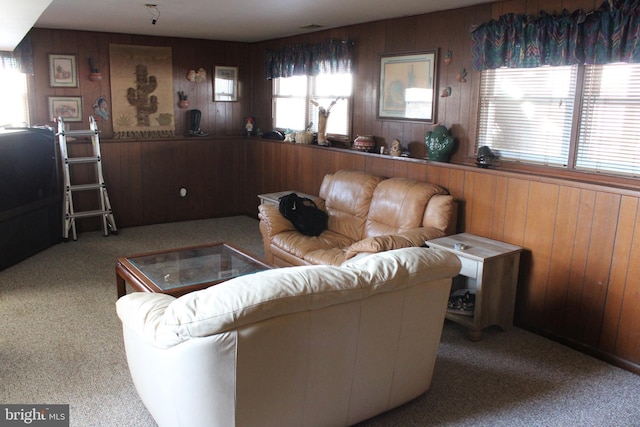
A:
[(490, 268)]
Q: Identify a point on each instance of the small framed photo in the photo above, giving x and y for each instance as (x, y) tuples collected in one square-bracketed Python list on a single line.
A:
[(67, 107), (407, 86), (62, 71), (225, 84)]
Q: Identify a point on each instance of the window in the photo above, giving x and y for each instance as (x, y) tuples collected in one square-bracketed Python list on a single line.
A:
[(292, 107), (14, 107), (583, 118), (610, 120)]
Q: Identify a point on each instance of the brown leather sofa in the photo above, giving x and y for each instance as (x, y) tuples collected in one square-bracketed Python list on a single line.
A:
[(367, 214)]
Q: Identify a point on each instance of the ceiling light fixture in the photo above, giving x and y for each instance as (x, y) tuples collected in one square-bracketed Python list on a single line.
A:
[(154, 12)]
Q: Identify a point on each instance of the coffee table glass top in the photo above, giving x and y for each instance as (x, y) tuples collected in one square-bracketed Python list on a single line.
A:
[(195, 266)]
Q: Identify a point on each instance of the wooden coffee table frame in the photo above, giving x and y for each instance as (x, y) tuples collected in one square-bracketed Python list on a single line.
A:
[(127, 272)]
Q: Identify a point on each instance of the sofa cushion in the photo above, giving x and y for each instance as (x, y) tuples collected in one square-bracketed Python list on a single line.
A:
[(399, 204), (415, 237), (333, 256), (299, 245), (347, 195)]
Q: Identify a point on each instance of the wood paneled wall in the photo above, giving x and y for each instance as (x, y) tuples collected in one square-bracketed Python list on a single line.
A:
[(144, 179), (579, 278), (218, 118), (579, 272)]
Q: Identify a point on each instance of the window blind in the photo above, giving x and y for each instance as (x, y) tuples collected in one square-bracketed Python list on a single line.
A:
[(289, 102), (610, 120), (526, 113)]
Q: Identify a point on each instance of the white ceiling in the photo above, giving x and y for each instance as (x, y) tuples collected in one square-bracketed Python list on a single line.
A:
[(231, 20), (16, 19)]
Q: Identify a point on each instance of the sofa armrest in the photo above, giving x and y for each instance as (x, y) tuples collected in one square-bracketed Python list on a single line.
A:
[(405, 239), (273, 221), (441, 212)]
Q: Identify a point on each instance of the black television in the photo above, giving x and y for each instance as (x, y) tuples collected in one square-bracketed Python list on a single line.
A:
[(28, 167), (30, 193)]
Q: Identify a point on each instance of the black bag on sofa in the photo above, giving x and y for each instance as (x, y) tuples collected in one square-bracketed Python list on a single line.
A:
[(303, 213)]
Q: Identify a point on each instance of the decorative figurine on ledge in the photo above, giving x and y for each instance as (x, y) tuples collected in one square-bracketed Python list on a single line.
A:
[(486, 158), (396, 148), (323, 116), (304, 137), (194, 119), (439, 144), (366, 143), (248, 125)]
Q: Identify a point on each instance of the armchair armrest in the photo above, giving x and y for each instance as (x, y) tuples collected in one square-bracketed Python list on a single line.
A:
[(143, 313)]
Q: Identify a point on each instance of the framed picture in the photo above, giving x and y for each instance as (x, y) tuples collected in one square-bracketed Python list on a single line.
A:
[(408, 86), (225, 84), (67, 107), (62, 71)]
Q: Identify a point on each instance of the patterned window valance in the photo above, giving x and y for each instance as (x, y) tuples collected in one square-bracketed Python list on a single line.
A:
[(20, 59), (327, 57), (609, 34)]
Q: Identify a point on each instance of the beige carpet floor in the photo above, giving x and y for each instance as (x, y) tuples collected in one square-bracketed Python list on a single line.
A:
[(61, 342)]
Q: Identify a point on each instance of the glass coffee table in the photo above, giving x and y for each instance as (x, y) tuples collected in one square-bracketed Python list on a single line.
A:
[(179, 271)]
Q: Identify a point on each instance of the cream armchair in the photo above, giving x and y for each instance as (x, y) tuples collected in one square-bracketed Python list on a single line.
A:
[(298, 346)]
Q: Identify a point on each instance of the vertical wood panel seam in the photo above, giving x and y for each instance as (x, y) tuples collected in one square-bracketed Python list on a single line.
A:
[(586, 260), (626, 277), (570, 258), (551, 248)]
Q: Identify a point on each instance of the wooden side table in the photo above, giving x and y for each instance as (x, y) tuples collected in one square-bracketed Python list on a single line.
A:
[(490, 268), (274, 198)]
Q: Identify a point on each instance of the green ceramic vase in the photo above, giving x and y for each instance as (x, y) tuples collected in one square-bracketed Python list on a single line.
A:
[(439, 144)]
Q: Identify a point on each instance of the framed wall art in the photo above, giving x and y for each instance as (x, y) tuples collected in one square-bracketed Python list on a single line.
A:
[(225, 84), (62, 71), (142, 94), (67, 107), (408, 86)]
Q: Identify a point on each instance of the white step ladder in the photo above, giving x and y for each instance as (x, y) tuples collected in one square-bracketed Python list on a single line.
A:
[(69, 215)]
